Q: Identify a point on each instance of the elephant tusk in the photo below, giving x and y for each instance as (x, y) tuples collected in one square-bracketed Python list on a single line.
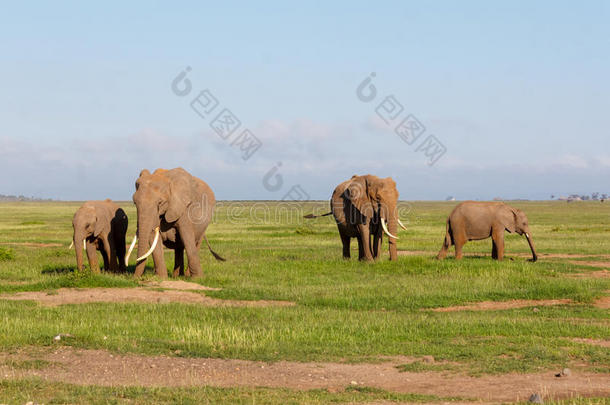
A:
[(385, 229), (152, 248), (527, 235), (85, 244), (133, 244), (401, 224), (71, 244)]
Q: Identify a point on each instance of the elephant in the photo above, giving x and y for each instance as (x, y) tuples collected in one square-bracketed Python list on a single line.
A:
[(476, 220), (100, 225), (177, 207), (364, 207)]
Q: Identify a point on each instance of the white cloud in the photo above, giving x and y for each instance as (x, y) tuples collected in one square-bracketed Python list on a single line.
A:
[(316, 155)]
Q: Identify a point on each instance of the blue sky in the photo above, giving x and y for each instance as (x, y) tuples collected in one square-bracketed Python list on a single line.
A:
[(517, 92)]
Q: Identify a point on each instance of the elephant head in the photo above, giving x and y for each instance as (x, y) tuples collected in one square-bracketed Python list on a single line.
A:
[(87, 222), (159, 196), (376, 199), (515, 220)]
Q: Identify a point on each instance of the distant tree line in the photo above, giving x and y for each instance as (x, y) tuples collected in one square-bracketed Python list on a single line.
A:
[(4, 197), (583, 197)]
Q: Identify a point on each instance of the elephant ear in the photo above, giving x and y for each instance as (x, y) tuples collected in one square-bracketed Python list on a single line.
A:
[(179, 199), (508, 218), (101, 222), (358, 194)]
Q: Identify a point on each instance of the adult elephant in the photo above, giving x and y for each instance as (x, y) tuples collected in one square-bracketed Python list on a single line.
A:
[(364, 208), (176, 207), (475, 220), (100, 225)]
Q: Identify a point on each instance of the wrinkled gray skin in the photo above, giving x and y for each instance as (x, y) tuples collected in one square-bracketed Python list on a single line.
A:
[(179, 204), (103, 225), (474, 220), (357, 205)]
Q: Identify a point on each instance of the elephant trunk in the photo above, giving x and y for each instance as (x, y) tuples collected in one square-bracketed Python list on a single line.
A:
[(531, 243), (144, 234), (393, 228), (78, 247)]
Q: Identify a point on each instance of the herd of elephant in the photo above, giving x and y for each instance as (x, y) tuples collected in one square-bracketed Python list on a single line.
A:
[(176, 207)]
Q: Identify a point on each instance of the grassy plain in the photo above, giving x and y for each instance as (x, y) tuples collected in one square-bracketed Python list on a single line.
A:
[(345, 311)]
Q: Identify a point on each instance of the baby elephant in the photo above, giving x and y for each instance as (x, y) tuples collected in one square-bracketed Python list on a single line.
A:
[(472, 220), (100, 225)]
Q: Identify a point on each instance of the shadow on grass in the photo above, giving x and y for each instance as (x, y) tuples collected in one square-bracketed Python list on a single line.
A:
[(58, 269), (70, 268)]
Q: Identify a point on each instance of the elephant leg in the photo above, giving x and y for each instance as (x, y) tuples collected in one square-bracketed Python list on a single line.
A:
[(110, 257), (377, 241), (460, 241), (360, 248), (366, 241), (192, 252), (92, 256), (120, 250), (346, 240), (494, 249), (179, 260), (104, 259), (159, 261), (497, 235)]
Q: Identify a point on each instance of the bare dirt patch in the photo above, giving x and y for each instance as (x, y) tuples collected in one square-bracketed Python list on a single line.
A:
[(100, 367), (572, 256), (497, 305), (603, 303), (605, 264), (180, 285), (415, 253), (86, 295), (508, 255), (594, 342)]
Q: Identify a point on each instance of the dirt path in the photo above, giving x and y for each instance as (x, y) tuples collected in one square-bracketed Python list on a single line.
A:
[(591, 274), (104, 368), (594, 342), (508, 255), (495, 305), (85, 295), (603, 302), (603, 264)]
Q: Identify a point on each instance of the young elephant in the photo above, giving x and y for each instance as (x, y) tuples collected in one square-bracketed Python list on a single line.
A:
[(100, 225), (472, 220)]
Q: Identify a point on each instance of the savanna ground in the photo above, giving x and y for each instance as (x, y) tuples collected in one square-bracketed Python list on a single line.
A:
[(287, 320)]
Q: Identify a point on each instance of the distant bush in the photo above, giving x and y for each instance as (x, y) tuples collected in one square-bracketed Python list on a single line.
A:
[(6, 254), (32, 223)]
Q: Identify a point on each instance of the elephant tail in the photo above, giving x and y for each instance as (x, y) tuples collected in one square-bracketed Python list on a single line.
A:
[(446, 242), (449, 234), (216, 255), (309, 216)]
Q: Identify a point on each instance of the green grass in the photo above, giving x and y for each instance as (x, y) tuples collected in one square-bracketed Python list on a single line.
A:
[(346, 310), (22, 391), (6, 254)]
